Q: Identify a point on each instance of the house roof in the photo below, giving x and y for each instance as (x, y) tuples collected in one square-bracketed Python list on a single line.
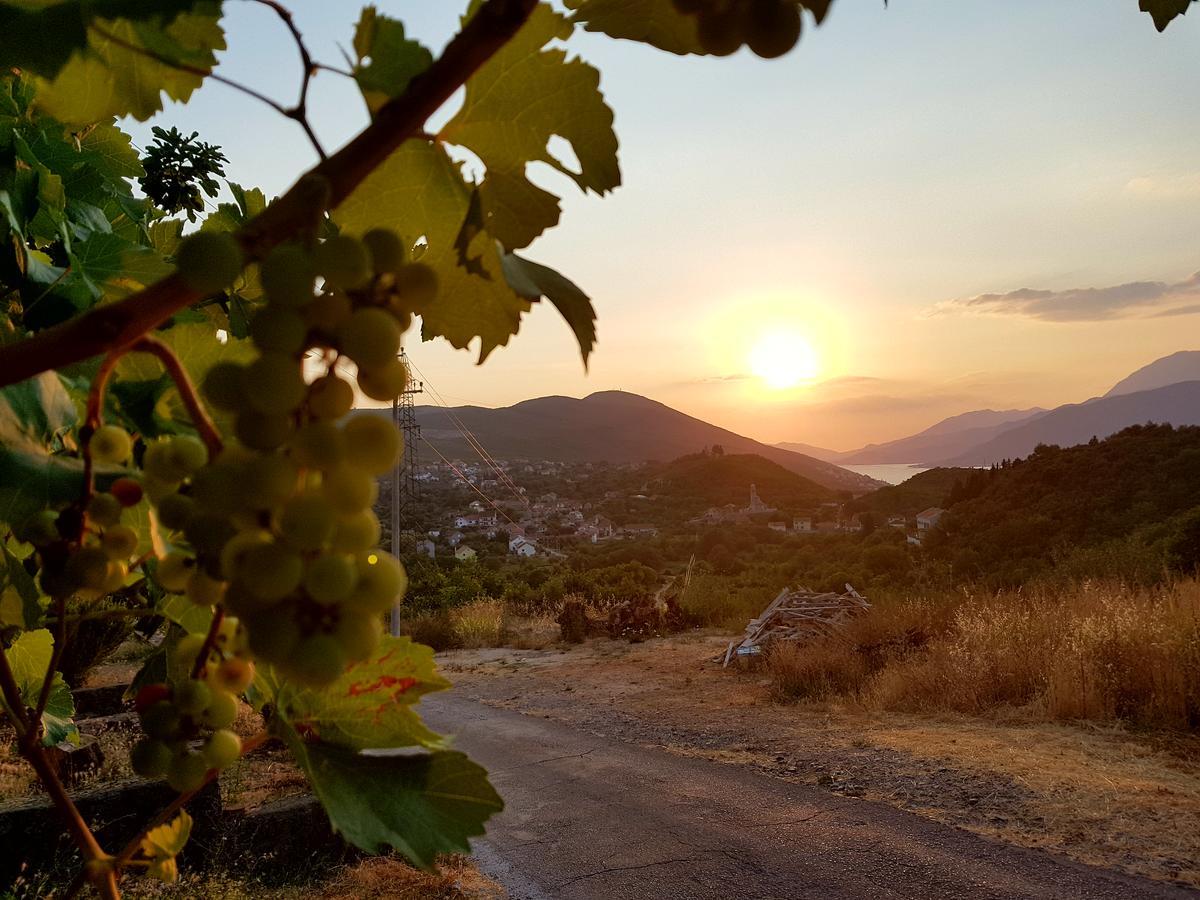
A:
[(930, 513)]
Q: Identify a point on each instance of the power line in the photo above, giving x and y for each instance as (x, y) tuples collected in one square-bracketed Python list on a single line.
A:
[(467, 481)]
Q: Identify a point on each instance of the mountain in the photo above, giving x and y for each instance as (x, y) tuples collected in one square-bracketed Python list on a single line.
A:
[(611, 426), (699, 481), (923, 490), (820, 453), (1181, 366), (1078, 423), (947, 438)]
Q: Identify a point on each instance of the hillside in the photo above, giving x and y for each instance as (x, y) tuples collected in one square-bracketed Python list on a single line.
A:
[(1181, 366), (821, 453), (947, 438), (923, 490), (701, 480), (1116, 506), (1078, 423), (611, 426)]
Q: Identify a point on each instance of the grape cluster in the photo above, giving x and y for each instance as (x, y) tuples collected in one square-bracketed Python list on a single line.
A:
[(768, 27), (187, 724), (279, 527)]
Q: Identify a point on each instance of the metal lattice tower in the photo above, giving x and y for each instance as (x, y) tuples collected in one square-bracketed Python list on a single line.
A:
[(405, 487)]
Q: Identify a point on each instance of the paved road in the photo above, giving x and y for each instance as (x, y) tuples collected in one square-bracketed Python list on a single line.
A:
[(590, 817)]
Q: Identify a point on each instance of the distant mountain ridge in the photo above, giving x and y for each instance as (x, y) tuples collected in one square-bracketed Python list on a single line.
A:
[(1173, 369), (608, 426)]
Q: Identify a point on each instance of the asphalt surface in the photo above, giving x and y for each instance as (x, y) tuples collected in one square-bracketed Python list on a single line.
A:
[(591, 817)]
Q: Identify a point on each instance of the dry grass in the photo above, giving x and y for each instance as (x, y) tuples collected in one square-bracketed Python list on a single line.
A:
[(1100, 652), (479, 623)]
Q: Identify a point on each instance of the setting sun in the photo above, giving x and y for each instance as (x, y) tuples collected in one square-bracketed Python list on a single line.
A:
[(783, 360)]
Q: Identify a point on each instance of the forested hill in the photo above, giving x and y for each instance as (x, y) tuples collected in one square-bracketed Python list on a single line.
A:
[(692, 484), (1124, 506), (923, 490)]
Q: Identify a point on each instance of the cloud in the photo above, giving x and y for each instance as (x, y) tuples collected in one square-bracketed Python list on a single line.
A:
[(1137, 298), (1179, 186)]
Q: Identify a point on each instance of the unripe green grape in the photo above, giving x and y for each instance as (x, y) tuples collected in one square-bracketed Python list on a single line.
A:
[(234, 675), (159, 463), (238, 546), (262, 432), (114, 576), (174, 510), (192, 697), (160, 720), (186, 454), (381, 581), (222, 386), (150, 758), (119, 542), (222, 749), (222, 710), (349, 489), (273, 632), (386, 249), (269, 481), (384, 383), (307, 521), (316, 661), (356, 532), (343, 262), (227, 633), (156, 489), (274, 384), (104, 510), (416, 288), (88, 566), (208, 532), (318, 445), (772, 27), (41, 529), (330, 579), (110, 444), (358, 634), (173, 571), (270, 571), (187, 771), (329, 311), (287, 276), (209, 261), (330, 397), (204, 591), (370, 337), (373, 443), (279, 330)]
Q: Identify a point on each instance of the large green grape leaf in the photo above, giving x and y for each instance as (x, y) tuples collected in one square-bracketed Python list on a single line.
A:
[(371, 705), (29, 658), (21, 597), (421, 804), (533, 281), (387, 60), (33, 414), (517, 101), (653, 22), (1163, 11), (127, 65), (114, 267), (419, 191)]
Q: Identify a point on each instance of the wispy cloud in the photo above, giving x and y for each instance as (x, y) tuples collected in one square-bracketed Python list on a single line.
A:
[(1092, 304)]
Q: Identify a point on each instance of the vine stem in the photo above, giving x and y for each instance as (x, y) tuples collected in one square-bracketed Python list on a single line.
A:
[(60, 642), (203, 422), (210, 641), (120, 324), (35, 754), (129, 850)]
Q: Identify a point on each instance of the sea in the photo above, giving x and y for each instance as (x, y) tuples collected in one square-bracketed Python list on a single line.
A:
[(893, 473)]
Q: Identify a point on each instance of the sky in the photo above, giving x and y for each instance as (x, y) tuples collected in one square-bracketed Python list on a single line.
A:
[(922, 210)]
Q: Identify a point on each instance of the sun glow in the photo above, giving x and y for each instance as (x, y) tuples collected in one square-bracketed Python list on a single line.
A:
[(783, 360)]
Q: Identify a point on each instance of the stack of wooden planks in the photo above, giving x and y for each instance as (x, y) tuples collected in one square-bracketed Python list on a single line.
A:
[(797, 615)]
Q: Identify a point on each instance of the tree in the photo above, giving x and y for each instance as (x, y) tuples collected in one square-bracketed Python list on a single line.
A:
[(212, 478)]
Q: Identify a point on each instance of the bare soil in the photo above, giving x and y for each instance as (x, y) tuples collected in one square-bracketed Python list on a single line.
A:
[(1100, 795)]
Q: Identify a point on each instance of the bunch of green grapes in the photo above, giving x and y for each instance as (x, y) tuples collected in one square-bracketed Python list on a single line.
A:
[(279, 527), (87, 553), (187, 723), (768, 27)]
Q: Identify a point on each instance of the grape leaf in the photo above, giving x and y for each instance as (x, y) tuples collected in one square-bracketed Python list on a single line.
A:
[(1164, 11), (533, 281), (420, 191), (113, 267), (371, 705), (422, 804), (183, 612), (521, 98), (387, 60), (20, 587), (162, 844), (126, 65), (653, 22), (29, 658)]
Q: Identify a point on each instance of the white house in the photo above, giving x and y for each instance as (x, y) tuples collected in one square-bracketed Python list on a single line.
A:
[(777, 526), (802, 524), (427, 548), (455, 538), (464, 553), (522, 547), (927, 519)]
